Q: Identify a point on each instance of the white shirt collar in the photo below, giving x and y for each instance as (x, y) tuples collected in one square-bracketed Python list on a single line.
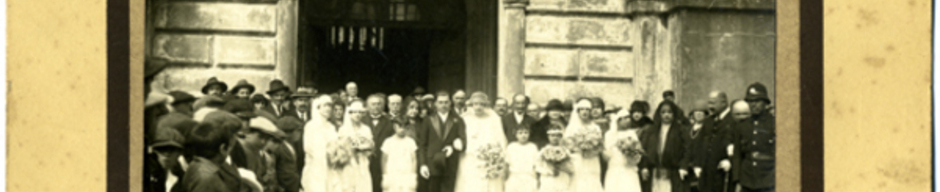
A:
[(724, 113), (443, 116), (519, 117)]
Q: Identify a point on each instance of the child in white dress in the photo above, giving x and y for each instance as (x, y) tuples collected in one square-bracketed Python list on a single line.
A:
[(522, 156), (552, 178), (399, 162)]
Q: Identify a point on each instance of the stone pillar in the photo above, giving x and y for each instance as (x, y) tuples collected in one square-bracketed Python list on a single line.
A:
[(511, 74)]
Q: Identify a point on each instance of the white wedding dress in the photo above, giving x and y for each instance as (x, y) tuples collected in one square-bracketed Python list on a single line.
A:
[(621, 170), (316, 173), (480, 131)]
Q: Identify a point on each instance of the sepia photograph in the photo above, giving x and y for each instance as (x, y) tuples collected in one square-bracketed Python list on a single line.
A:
[(459, 96)]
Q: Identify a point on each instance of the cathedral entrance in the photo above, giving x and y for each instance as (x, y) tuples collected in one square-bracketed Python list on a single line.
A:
[(389, 46)]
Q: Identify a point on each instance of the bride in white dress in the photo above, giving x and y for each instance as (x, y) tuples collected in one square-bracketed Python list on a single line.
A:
[(316, 173), (587, 167), (622, 170), (484, 127), (356, 175)]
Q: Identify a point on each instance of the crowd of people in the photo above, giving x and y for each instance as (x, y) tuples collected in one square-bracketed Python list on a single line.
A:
[(234, 139)]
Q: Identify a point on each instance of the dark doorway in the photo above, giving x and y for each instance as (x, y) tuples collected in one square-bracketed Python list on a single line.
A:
[(396, 62), (392, 46)]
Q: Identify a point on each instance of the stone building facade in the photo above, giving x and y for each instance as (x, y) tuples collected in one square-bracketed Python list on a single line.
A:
[(620, 50)]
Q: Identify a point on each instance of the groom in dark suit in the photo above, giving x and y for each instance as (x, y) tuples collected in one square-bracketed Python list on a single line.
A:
[(382, 128), (440, 140)]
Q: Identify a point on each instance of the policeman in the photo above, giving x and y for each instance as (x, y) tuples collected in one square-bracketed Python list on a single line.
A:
[(755, 143)]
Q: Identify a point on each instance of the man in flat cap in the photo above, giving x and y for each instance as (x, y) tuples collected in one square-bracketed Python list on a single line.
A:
[(182, 106), (754, 143), (249, 152), (162, 169)]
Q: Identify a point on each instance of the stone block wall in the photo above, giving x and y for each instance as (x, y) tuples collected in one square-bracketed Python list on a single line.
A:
[(252, 40), (625, 50), (724, 51), (580, 48)]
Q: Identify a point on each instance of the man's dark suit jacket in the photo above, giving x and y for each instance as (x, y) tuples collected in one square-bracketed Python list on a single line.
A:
[(288, 178), (510, 125), (270, 109), (670, 159), (433, 136), (380, 131), (294, 113)]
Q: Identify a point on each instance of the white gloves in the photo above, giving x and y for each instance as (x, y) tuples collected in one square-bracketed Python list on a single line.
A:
[(458, 144), (645, 173), (425, 172), (698, 171), (731, 150), (724, 165), (682, 174), (448, 151)]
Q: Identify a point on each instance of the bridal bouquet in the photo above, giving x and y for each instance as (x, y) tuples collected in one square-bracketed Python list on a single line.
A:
[(494, 161), (630, 147), (362, 145), (586, 142), (339, 152), (555, 156)]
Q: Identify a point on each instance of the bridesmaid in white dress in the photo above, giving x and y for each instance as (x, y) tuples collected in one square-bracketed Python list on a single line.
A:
[(356, 175), (622, 170), (318, 132), (587, 167), (484, 127)]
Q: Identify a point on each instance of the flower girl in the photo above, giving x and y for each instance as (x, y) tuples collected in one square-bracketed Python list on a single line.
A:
[(399, 162), (521, 155), (554, 165)]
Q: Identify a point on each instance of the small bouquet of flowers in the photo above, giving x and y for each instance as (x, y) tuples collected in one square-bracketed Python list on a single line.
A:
[(494, 160), (587, 142), (630, 147), (362, 145), (339, 152), (555, 156)]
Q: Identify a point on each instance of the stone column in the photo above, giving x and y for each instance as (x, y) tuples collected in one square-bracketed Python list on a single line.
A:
[(511, 72)]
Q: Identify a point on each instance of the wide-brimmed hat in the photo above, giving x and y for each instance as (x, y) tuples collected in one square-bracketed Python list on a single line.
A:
[(756, 91), (240, 107), (243, 84), (181, 97), (277, 85), (213, 81), (166, 137), (554, 104), (303, 92), (265, 126)]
